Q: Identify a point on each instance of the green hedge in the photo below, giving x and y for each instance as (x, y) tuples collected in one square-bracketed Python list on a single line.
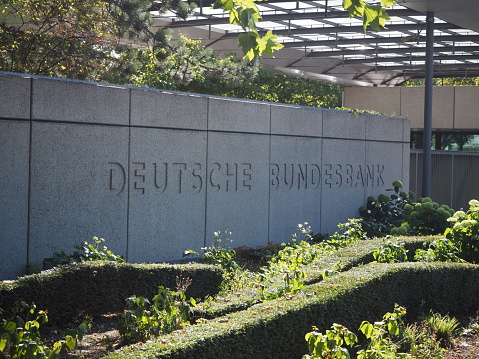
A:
[(97, 288), (276, 328), (341, 260)]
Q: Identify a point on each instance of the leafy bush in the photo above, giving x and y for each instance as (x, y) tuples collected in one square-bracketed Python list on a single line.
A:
[(462, 239), (86, 252), (382, 339), (219, 253), (168, 311), (392, 252), (20, 335), (349, 232), (330, 345), (290, 262), (257, 256), (399, 215), (427, 217), (386, 212), (390, 338), (439, 250), (465, 232)]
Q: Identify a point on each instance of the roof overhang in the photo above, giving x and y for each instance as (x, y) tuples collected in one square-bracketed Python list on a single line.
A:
[(322, 42)]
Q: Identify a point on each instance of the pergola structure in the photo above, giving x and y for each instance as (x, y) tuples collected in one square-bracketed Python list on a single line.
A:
[(322, 42)]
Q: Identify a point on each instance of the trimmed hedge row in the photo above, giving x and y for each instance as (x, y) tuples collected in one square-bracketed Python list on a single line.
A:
[(276, 328), (99, 287), (341, 260)]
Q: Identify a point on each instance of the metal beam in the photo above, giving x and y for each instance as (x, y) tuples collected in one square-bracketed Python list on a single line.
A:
[(377, 40), (380, 59), (320, 77), (427, 134), (285, 15), (410, 68), (393, 50), (323, 30)]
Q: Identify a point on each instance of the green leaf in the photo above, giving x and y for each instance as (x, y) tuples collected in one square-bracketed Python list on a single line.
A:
[(350, 338), (9, 326), (388, 3), (367, 329), (234, 17), (331, 343), (354, 7), (57, 348), (393, 326), (249, 45), (70, 342), (268, 44), (370, 17), (227, 5), (3, 343), (248, 18)]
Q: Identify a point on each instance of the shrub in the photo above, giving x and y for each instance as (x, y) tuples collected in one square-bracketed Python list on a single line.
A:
[(427, 217), (386, 212), (219, 253), (439, 250), (330, 345), (465, 232), (20, 335), (399, 215), (167, 311), (462, 239), (392, 252), (276, 328), (101, 287), (85, 252)]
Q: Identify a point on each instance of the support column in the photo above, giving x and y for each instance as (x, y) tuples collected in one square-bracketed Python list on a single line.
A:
[(427, 136)]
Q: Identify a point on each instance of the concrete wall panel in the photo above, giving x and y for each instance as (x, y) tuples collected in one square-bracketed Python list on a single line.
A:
[(381, 168), (226, 114), (296, 120), (238, 187), (412, 105), (342, 124), (443, 107), (77, 187), (14, 96), (295, 185), (344, 180), (466, 107), (406, 131), (167, 193), (14, 174), (73, 101), (168, 109), (383, 100), (378, 128)]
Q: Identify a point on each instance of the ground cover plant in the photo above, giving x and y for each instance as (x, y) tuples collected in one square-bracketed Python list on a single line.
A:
[(389, 338)]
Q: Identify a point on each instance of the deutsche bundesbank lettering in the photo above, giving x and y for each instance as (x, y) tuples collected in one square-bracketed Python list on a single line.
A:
[(182, 177)]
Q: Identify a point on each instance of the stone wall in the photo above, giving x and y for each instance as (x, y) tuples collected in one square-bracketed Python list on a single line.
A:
[(157, 172)]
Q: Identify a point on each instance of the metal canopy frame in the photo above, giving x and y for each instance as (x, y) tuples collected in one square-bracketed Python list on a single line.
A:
[(321, 41)]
